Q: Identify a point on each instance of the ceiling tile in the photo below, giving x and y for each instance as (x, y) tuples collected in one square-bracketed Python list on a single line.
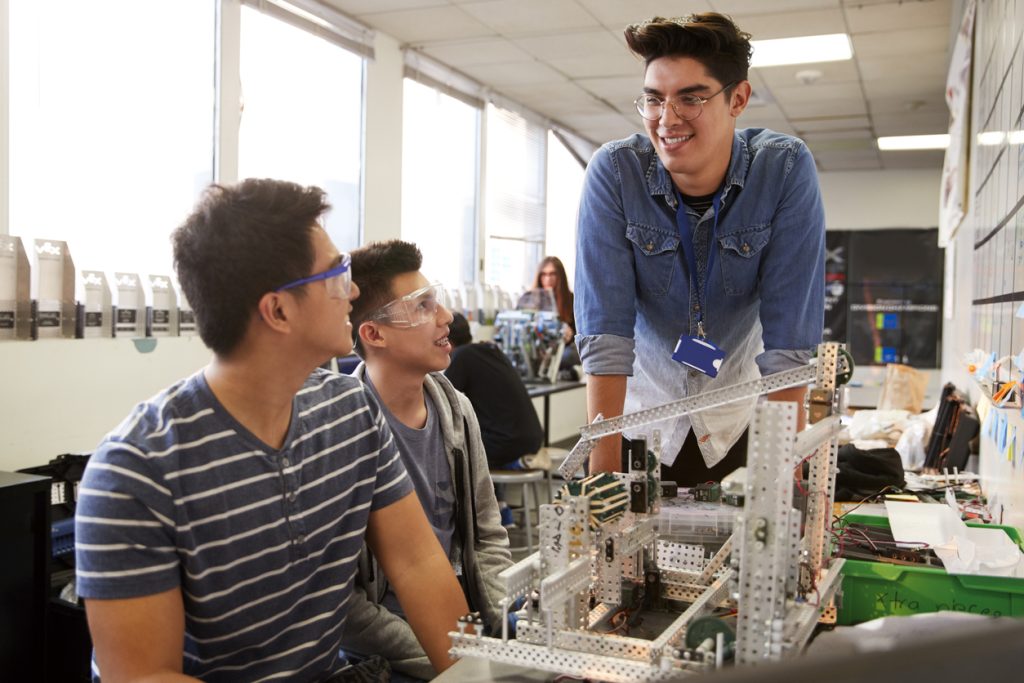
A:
[(517, 17), (556, 99), (792, 24), (618, 14), (830, 123), (517, 73), (863, 18), (416, 26), (461, 53), (903, 43), (799, 94), (619, 90), (915, 123), (766, 111), (906, 106), (573, 44), (356, 7), (907, 89), (831, 72), (604, 63), (739, 7), (920, 66), (815, 109)]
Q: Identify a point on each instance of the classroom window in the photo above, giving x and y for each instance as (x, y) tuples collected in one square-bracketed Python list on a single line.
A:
[(565, 182), (302, 116), (439, 181), (111, 125), (514, 190)]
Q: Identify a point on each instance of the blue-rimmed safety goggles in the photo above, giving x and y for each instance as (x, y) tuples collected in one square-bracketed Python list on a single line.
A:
[(337, 279)]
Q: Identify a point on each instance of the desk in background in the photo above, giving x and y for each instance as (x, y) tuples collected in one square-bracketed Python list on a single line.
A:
[(545, 391)]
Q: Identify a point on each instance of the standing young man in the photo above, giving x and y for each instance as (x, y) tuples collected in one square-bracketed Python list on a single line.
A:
[(401, 325), (218, 526), (698, 234)]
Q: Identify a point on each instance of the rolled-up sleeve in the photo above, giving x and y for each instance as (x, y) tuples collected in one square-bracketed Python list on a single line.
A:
[(792, 286), (605, 284)]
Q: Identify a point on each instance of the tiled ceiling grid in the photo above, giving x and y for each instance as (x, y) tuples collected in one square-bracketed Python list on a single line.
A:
[(567, 60)]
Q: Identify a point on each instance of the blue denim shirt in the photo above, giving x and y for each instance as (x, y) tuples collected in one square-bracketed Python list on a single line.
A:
[(765, 300)]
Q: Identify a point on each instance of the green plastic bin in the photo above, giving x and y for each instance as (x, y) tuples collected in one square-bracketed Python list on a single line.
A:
[(878, 589)]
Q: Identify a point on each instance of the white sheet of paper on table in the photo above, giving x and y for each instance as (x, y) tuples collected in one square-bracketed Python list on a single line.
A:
[(962, 549)]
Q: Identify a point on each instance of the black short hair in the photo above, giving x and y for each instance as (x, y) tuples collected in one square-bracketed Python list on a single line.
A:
[(710, 38), (374, 268), (458, 330), (240, 242)]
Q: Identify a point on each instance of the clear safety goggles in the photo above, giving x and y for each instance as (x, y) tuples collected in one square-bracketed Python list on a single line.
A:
[(414, 308), (338, 279)]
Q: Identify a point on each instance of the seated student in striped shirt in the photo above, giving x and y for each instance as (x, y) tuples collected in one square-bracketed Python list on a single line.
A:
[(219, 526), (401, 324)]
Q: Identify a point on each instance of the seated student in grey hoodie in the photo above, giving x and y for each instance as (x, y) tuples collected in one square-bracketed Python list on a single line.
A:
[(400, 325)]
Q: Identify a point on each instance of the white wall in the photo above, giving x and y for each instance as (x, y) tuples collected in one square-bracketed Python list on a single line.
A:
[(864, 200), (63, 395)]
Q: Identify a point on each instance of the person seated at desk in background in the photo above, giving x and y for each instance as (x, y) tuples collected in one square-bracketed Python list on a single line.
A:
[(511, 431), (218, 527), (697, 235), (400, 324), (551, 276)]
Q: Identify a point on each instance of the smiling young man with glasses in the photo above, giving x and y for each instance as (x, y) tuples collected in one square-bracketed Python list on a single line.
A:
[(218, 527), (700, 250), (401, 326)]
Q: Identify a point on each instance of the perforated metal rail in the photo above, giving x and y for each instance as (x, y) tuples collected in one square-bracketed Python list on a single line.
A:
[(693, 404)]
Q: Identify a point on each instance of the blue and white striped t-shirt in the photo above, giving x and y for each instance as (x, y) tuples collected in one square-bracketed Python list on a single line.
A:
[(263, 543)]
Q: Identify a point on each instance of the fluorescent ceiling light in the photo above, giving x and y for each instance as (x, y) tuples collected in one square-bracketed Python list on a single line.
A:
[(832, 47), (901, 142)]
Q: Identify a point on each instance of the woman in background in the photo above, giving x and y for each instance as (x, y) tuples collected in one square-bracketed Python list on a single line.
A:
[(551, 275)]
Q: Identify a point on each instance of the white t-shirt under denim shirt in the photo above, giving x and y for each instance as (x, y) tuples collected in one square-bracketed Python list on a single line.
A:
[(765, 300)]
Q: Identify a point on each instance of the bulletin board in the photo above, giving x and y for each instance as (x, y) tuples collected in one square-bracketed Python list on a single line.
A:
[(994, 230), (996, 191)]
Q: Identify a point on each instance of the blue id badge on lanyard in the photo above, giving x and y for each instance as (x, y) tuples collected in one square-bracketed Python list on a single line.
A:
[(699, 354), (696, 351)]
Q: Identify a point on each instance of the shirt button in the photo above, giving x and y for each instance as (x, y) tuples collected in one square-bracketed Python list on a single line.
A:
[(292, 495), (650, 246), (300, 539), (696, 307), (286, 462), (746, 248)]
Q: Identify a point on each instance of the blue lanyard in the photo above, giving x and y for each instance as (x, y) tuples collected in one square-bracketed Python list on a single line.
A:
[(686, 241)]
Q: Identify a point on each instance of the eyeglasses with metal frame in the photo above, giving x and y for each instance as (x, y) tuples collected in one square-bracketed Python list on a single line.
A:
[(687, 107), (413, 309), (338, 279)]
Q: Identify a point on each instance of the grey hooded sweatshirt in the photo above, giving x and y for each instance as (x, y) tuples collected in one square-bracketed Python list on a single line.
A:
[(480, 549)]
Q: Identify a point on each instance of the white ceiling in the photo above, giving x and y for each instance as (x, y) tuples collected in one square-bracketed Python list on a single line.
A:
[(567, 60)]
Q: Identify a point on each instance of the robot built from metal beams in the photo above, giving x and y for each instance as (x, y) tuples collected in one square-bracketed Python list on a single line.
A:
[(600, 556)]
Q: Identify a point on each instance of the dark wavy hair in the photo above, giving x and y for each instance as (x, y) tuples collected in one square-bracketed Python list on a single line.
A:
[(710, 38), (240, 242)]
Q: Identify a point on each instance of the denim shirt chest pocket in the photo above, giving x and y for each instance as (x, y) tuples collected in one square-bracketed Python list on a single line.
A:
[(741, 258), (655, 255)]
